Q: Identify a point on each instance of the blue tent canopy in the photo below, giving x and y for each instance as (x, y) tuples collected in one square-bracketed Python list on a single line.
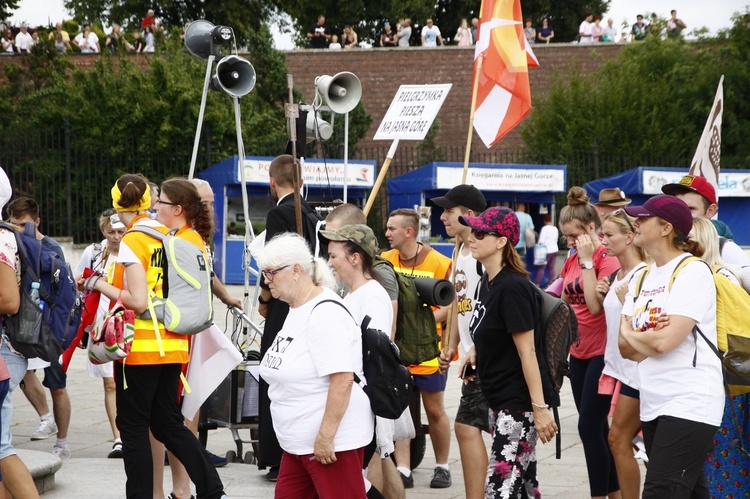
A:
[(642, 182)]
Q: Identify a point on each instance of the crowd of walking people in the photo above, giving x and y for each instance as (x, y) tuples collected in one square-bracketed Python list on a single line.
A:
[(644, 366)]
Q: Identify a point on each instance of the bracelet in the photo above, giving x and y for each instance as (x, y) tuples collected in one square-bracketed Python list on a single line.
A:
[(262, 301), (540, 406)]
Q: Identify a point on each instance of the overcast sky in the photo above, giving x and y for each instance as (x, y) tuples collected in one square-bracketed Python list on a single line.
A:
[(695, 13)]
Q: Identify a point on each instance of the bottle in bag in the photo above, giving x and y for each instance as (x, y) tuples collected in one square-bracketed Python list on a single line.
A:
[(31, 323)]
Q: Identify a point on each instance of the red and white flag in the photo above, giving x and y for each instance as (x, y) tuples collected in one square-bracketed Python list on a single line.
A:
[(503, 97), (707, 157)]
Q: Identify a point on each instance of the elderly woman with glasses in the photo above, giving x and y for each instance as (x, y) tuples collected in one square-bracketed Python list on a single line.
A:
[(321, 417), (679, 377), (617, 234), (506, 352)]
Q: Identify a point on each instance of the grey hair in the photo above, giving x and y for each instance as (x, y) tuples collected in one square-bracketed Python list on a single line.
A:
[(290, 248), (199, 182)]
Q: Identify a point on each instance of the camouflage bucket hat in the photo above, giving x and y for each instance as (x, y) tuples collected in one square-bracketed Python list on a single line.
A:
[(359, 234)]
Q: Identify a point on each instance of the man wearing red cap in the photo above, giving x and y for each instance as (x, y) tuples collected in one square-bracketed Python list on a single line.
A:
[(700, 196)]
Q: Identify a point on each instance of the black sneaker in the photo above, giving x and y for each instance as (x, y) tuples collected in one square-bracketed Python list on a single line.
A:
[(408, 480), (217, 461), (116, 452), (273, 474), (441, 478)]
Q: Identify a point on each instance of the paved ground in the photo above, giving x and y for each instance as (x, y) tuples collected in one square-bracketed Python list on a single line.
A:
[(89, 474)]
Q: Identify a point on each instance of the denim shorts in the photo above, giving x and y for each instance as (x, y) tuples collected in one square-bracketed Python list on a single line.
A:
[(54, 377), (17, 365)]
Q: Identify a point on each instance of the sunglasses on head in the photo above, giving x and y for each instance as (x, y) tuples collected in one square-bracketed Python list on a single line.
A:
[(625, 215), (479, 235)]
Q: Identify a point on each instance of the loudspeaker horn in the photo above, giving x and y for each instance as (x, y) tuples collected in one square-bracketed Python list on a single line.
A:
[(204, 39), (234, 76), (324, 129), (340, 92)]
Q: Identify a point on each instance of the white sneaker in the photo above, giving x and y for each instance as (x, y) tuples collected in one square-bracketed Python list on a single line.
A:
[(62, 452), (45, 430)]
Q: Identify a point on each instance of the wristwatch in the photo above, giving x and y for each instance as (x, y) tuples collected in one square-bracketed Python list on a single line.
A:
[(587, 265)]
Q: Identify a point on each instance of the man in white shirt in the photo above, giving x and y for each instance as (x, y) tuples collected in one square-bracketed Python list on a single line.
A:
[(24, 41), (431, 35), (700, 196), (584, 30)]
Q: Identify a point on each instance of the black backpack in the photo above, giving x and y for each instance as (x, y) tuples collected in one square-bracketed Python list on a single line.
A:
[(559, 329), (389, 382)]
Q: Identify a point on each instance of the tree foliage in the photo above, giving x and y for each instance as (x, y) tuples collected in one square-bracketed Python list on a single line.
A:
[(244, 16), (654, 99), (7, 7)]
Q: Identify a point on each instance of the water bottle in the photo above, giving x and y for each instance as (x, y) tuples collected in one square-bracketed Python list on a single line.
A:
[(31, 319)]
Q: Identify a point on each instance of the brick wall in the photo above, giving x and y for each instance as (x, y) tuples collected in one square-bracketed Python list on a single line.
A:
[(382, 71)]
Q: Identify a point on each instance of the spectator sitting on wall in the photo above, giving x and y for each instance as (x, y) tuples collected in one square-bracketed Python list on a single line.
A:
[(137, 46), (335, 45), (349, 38), (319, 34)]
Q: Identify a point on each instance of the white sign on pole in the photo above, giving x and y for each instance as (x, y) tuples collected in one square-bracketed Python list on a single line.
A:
[(731, 184), (412, 112), (504, 179), (315, 172)]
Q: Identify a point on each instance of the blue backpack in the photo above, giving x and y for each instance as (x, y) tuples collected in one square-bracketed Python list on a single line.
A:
[(47, 331)]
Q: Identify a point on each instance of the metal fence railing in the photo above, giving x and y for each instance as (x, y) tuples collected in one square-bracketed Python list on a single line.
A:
[(71, 178)]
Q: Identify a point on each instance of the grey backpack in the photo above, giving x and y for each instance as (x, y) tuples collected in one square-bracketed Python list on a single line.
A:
[(187, 305)]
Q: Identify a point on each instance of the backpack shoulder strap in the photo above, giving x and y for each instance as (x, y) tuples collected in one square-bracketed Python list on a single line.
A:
[(641, 277), (365, 323), (149, 231), (681, 265)]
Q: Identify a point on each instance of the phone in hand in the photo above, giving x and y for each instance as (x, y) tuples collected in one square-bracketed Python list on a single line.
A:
[(468, 371)]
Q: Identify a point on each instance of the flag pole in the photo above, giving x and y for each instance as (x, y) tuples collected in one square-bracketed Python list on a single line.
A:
[(381, 177), (475, 85)]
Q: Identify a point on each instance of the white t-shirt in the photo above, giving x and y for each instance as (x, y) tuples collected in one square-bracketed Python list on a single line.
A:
[(88, 45), (732, 254), (548, 237), (614, 364), (371, 299), (585, 28), (669, 384), (312, 345), (430, 36), (467, 281), (24, 41)]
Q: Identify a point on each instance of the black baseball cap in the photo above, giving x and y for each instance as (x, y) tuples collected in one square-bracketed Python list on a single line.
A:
[(462, 195)]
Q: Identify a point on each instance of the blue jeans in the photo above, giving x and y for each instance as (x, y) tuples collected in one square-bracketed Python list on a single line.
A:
[(17, 367)]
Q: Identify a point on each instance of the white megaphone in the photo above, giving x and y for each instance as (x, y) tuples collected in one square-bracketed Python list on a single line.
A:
[(340, 92), (234, 76), (317, 128), (203, 39)]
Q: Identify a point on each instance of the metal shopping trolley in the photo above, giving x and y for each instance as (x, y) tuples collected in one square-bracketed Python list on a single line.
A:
[(234, 404)]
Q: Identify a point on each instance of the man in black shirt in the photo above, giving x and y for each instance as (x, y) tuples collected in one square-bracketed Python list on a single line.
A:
[(319, 34)]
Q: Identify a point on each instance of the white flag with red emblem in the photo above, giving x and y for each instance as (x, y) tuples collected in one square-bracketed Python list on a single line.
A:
[(707, 157)]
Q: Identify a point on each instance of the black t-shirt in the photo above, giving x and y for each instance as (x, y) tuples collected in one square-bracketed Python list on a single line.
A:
[(507, 304), (319, 42)]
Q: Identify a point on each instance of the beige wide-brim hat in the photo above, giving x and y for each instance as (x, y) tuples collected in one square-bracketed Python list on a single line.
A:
[(613, 197)]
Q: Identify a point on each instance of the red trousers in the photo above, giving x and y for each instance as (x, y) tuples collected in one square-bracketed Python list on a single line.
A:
[(302, 477)]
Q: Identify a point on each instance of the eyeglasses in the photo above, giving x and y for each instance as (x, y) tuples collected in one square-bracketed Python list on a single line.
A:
[(625, 215), (478, 235), (159, 201), (270, 275)]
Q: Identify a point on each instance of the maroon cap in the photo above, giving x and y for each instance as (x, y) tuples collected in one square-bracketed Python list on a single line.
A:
[(668, 208), (692, 183), (497, 220)]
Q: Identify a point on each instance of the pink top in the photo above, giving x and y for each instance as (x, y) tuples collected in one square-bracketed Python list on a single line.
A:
[(592, 329)]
